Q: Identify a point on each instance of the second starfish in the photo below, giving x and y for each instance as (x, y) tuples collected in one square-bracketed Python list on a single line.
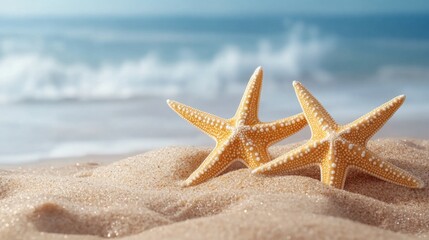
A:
[(242, 137), (337, 148)]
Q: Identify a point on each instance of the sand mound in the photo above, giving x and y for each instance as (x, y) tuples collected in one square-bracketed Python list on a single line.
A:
[(141, 198)]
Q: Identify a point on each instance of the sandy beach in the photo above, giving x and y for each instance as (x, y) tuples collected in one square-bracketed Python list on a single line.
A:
[(121, 120), (140, 198)]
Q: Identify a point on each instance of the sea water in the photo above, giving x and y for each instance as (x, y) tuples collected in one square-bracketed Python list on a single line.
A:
[(97, 85)]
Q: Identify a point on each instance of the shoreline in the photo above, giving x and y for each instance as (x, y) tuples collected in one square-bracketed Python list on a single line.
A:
[(64, 161)]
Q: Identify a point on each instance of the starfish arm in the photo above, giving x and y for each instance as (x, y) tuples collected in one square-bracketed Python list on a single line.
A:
[(333, 171), (215, 163), (255, 154), (276, 131), (247, 112), (363, 159), (208, 123), (308, 154), (362, 129), (334, 176), (317, 117)]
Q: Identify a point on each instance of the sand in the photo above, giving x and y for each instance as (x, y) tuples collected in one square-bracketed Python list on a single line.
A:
[(140, 198)]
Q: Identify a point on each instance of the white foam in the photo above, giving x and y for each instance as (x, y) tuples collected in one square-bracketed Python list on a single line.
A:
[(33, 75)]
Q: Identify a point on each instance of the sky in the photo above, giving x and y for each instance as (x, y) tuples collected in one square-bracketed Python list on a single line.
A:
[(210, 7)]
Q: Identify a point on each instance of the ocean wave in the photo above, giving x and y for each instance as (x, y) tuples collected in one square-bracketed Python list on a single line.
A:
[(26, 75)]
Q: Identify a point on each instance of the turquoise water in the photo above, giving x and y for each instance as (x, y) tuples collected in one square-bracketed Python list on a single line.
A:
[(76, 86)]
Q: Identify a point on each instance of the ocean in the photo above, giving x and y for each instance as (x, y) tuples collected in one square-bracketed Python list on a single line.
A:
[(73, 86)]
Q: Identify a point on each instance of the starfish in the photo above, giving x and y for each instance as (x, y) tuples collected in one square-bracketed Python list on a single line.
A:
[(337, 148), (241, 138)]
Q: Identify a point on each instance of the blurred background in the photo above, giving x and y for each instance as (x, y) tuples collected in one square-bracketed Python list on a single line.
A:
[(91, 77)]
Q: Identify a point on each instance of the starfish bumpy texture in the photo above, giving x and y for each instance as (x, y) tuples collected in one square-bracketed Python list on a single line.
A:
[(243, 137), (336, 148)]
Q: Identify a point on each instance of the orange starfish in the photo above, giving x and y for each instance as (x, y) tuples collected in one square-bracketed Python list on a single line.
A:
[(242, 137), (336, 148)]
